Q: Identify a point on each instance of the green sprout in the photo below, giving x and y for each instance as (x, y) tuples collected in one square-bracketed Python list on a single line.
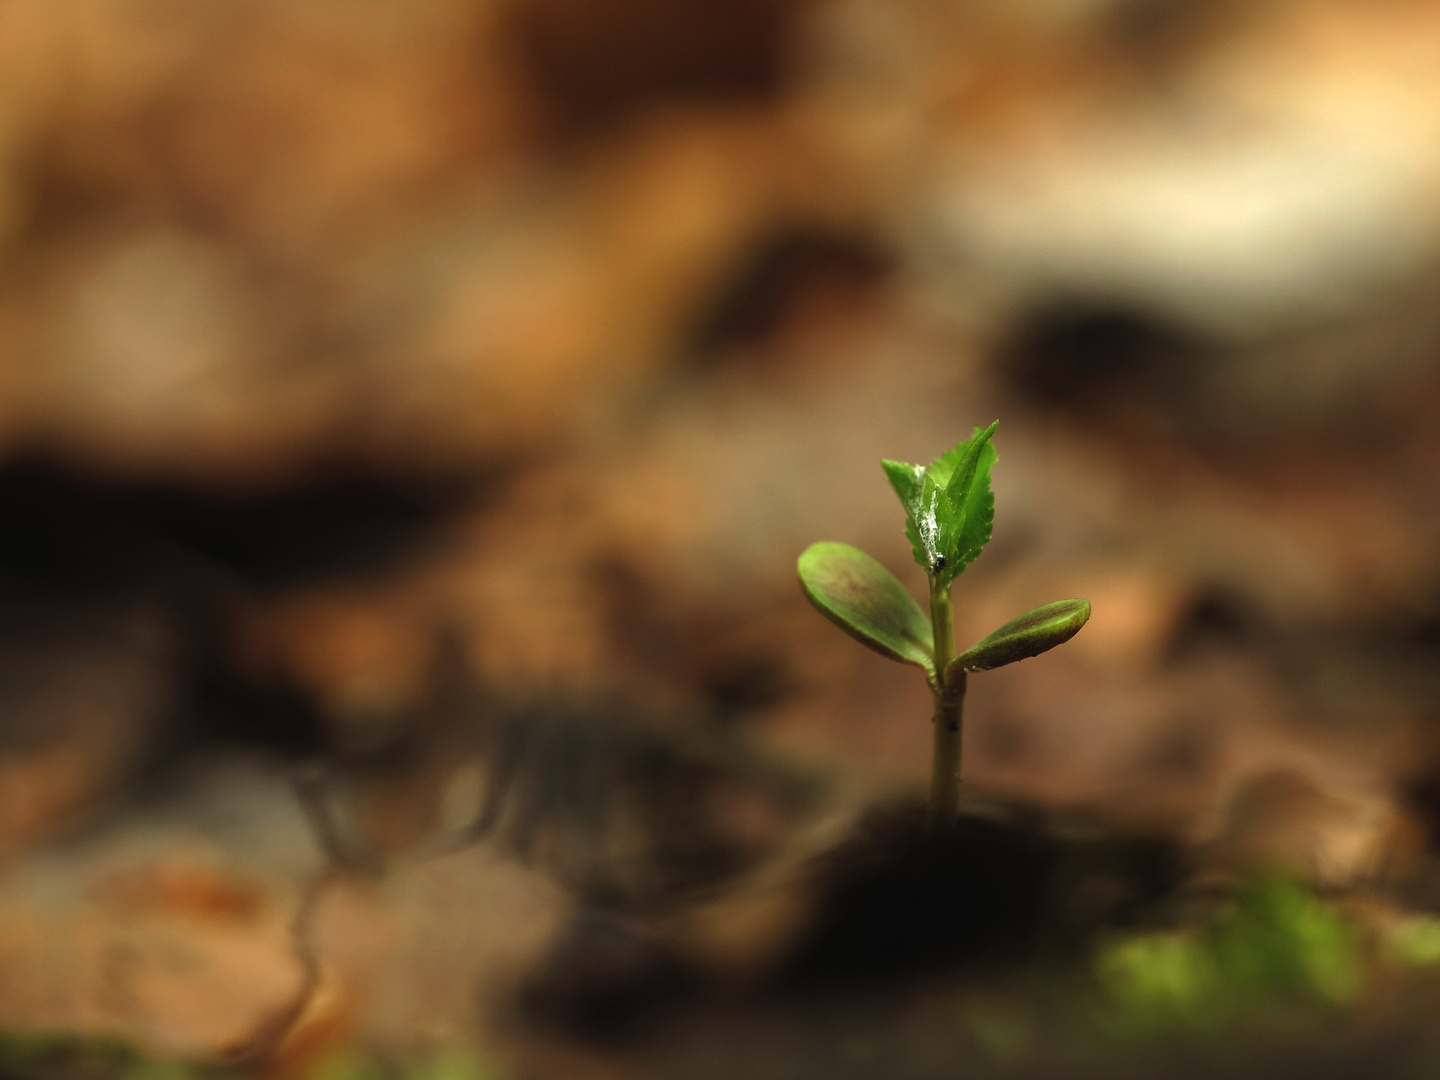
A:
[(949, 511)]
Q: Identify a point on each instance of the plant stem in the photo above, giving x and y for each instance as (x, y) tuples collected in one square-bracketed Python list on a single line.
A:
[(949, 692)]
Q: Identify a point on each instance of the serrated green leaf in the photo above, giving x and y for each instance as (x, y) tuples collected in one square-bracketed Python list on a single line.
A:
[(1026, 635), (949, 510), (978, 518), (861, 597), (965, 509)]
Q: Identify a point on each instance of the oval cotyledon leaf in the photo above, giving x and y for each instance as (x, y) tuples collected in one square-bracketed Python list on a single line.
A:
[(865, 600), (1026, 635)]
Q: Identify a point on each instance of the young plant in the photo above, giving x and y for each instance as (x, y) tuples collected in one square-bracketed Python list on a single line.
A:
[(949, 511)]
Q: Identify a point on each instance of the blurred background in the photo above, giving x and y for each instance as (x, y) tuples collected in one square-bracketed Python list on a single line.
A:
[(411, 412)]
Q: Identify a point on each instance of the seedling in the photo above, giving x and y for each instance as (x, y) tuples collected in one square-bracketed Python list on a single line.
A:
[(949, 511)]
